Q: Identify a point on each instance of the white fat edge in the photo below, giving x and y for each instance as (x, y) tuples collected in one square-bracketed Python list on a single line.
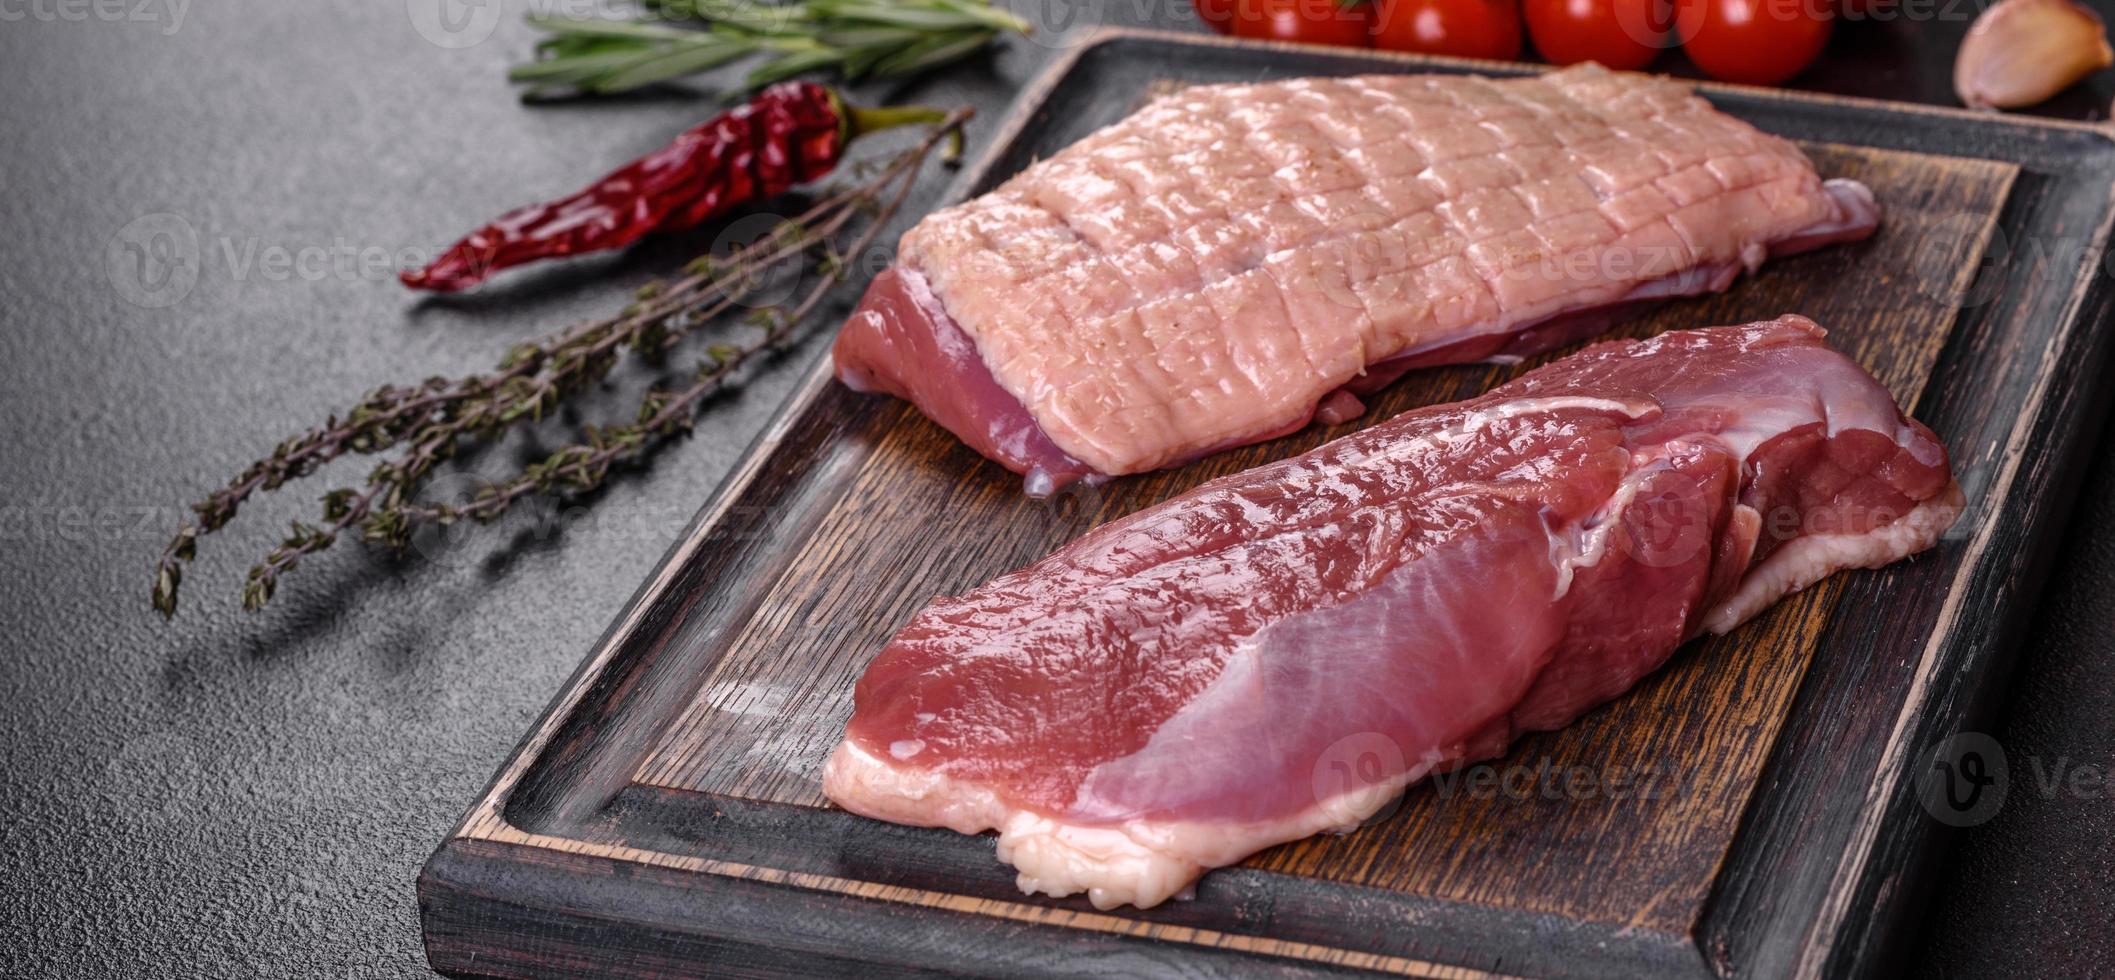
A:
[(1136, 862), (855, 779), (1758, 425), (1143, 862), (1480, 419), (1753, 255), (1810, 558), (1571, 551), (1039, 483), (1533, 406)]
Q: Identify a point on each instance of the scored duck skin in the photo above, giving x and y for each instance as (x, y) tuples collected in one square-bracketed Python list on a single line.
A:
[(1183, 687), (1208, 271)]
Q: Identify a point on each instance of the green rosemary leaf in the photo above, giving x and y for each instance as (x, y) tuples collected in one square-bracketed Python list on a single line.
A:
[(771, 19), (854, 38), (582, 45), (790, 64), (673, 63), (988, 15), (905, 15), (930, 54), (574, 27), (577, 70), (865, 37), (859, 61)]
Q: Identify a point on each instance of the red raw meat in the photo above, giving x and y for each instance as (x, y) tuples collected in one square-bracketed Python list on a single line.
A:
[(1166, 694)]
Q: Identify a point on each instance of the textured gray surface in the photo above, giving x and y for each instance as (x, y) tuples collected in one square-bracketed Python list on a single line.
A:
[(238, 795), (2032, 892)]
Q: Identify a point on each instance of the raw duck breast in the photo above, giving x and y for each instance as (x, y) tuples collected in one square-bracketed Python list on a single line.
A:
[(1209, 271), (1179, 689)]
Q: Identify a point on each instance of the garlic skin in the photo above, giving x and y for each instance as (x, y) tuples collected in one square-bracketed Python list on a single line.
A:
[(2021, 52)]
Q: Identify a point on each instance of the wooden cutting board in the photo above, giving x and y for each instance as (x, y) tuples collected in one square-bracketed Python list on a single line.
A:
[(1753, 809)]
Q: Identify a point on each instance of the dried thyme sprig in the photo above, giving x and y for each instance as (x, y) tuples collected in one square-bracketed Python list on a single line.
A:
[(428, 423)]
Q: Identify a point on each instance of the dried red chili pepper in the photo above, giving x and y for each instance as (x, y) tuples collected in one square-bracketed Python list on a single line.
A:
[(789, 134)]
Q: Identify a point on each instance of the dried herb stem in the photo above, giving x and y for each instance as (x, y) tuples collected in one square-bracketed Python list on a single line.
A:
[(426, 424)]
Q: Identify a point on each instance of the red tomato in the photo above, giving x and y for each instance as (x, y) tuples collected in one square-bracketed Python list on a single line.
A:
[(1620, 34), (1464, 28), (1217, 13), (1759, 42), (1309, 21)]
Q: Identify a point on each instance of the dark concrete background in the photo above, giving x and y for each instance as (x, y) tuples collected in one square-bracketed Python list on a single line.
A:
[(239, 795)]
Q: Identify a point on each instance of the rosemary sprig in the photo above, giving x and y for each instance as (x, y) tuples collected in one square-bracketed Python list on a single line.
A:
[(854, 38), (418, 427)]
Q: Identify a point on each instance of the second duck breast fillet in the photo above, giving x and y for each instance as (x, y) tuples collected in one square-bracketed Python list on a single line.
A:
[(1177, 689)]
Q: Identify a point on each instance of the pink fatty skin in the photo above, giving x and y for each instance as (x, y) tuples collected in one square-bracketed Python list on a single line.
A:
[(1208, 271)]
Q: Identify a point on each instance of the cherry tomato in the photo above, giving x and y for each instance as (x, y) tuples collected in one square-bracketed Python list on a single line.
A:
[(1309, 21), (1620, 34), (1759, 42), (1464, 28), (1219, 14)]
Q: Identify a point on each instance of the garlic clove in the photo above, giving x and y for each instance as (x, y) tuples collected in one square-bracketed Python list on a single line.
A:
[(2021, 52)]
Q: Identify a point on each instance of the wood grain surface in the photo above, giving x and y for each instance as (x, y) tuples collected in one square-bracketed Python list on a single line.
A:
[(1741, 812)]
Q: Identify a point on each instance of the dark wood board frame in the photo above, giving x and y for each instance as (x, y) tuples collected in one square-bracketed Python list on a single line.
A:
[(569, 865)]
